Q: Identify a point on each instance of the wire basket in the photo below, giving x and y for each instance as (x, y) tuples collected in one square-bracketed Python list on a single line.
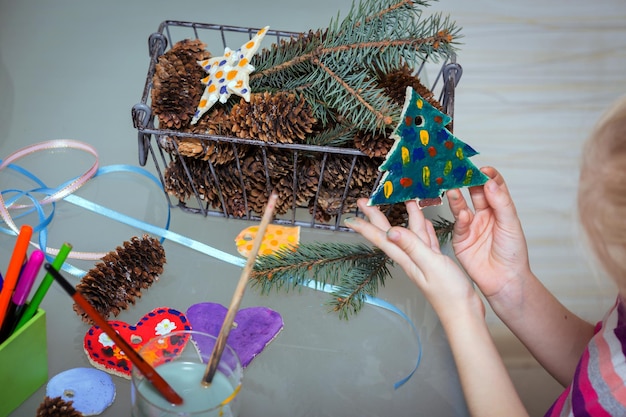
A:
[(217, 37)]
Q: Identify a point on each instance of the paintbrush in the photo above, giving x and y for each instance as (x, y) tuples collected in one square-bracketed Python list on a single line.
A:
[(144, 367), (220, 343)]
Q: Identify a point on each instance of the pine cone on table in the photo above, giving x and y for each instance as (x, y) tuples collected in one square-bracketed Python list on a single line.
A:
[(176, 85), (57, 407), (119, 278)]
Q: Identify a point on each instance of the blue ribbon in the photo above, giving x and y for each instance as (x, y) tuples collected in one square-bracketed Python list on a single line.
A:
[(162, 232)]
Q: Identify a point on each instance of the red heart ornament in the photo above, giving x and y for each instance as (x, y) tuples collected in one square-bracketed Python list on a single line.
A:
[(104, 354)]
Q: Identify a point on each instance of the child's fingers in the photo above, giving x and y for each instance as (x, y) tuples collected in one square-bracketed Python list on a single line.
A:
[(417, 222), (380, 239), (434, 240), (374, 215), (421, 226)]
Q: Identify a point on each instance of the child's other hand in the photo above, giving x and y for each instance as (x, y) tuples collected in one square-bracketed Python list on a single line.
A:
[(416, 250), (489, 242)]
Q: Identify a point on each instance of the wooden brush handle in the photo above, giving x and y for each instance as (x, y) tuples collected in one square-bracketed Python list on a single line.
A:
[(220, 343)]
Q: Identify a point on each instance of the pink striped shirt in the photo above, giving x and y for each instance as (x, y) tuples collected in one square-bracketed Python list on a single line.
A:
[(599, 384)]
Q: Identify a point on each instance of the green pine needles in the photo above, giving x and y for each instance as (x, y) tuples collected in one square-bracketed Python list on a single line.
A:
[(354, 271), (336, 69)]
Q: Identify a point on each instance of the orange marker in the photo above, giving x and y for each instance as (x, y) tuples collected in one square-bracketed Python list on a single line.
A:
[(13, 271)]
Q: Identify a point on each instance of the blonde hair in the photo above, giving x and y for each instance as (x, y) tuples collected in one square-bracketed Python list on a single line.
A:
[(602, 192)]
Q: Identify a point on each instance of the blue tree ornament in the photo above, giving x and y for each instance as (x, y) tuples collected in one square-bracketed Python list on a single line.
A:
[(426, 159)]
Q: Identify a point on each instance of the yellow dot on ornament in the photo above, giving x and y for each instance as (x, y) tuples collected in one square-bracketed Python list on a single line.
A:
[(406, 157), (424, 137), (388, 189), (426, 176)]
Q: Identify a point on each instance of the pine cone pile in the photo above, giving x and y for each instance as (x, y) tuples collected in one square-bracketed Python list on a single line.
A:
[(234, 176), (118, 279), (57, 407)]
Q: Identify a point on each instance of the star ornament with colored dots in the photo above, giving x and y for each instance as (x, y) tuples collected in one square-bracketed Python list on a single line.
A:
[(426, 159), (228, 74)]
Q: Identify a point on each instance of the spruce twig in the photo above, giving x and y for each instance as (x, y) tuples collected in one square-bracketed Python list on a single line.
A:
[(334, 68), (356, 271), (443, 229)]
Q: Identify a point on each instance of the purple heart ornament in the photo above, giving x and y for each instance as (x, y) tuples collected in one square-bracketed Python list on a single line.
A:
[(253, 328)]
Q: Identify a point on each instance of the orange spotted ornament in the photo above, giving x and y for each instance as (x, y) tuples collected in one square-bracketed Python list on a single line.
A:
[(276, 238), (228, 74)]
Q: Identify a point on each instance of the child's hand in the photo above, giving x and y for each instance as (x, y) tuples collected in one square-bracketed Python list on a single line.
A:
[(489, 242), (416, 250)]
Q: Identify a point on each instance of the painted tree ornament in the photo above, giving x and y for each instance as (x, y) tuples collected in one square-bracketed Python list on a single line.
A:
[(426, 159), (228, 74)]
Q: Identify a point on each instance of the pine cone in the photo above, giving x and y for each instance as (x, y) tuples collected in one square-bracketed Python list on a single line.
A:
[(253, 171), (396, 214), (332, 202), (280, 166), (331, 199), (255, 176), (178, 184), (373, 145), (280, 117), (362, 177), (121, 275), (176, 85), (319, 215), (397, 80), (229, 186), (57, 407), (216, 123), (308, 181)]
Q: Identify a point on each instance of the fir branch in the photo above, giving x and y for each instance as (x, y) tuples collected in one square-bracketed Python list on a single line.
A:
[(322, 262), (356, 271), (443, 229), (338, 136), (363, 281), (380, 117), (334, 68)]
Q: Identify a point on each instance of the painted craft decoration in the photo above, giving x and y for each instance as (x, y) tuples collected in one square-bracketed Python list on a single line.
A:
[(91, 390), (426, 159), (276, 238), (253, 328), (105, 355), (228, 74)]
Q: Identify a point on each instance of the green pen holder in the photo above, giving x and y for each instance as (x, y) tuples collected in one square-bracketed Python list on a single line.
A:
[(23, 363)]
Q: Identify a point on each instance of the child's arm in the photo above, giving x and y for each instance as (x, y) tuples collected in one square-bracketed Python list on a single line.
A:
[(486, 384), (489, 243)]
